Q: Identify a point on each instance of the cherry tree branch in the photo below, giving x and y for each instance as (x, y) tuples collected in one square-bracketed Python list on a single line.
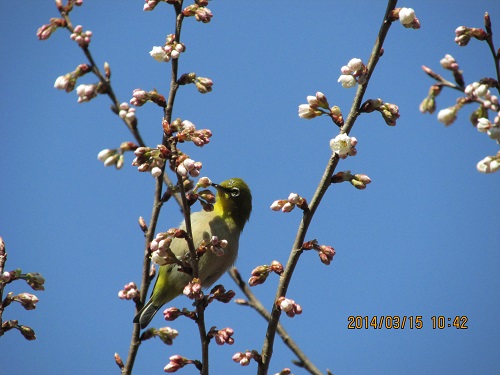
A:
[(325, 182), (254, 302)]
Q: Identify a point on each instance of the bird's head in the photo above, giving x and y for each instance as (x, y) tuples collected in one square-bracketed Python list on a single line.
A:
[(234, 201)]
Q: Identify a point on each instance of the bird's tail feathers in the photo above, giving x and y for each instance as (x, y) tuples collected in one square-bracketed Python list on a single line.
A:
[(146, 314)]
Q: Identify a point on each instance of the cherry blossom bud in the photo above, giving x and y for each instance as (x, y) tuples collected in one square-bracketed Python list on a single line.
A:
[(204, 182), (277, 205), (35, 280), (289, 306), (171, 313), (428, 105), (286, 304), (355, 64), (322, 100), (129, 292), (483, 124), (166, 334), (156, 172), (347, 81), (287, 207), (104, 154), (193, 290), (294, 198), (222, 336), (449, 62), (307, 112), (27, 300), (447, 115), (176, 362), (27, 332), (406, 16), (489, 164), (203, 14), (6, 276), (118, 361), (276, 267)]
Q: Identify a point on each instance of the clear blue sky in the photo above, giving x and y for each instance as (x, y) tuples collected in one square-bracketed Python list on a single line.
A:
[(422, 239)]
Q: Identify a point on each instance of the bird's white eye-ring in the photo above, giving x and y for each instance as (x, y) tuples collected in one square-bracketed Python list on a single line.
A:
[(235, 192)]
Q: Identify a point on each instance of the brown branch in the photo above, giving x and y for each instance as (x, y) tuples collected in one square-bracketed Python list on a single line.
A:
[(325, 182), (259, 307)]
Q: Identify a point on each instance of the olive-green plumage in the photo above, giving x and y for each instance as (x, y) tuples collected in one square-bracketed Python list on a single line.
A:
[(231, 211)]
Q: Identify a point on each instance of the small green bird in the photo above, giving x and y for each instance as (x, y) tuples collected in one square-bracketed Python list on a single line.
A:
[(232, 209)]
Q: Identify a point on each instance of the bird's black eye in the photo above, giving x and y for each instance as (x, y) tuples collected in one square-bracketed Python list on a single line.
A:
[(235, 192)]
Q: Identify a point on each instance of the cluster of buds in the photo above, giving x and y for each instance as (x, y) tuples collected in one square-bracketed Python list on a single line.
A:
[(45, 31), (343, 145), (489, 164), (161, 254), (177, 362), (245, 358), (35, 280), (127, 113), (406, 16), (326, 253), (199, 10), (491, 128), (140, 97), (220, 294), (170, 50), (481, 90), (80, 36), (317, 105), (260, 273), (115, 156), (88, 92), (464, 34), (67, 82), (166, 334), (151, 159), (187, 132), (285, 371), (359, 181), (188, 167), (129, 291), (287, 205), (389, 111), (205, 197), (448, 62), (193, 290), (289, 306), (27, 300), (203, 84), (173, 313), (354, 72), (26, 331), (222, 336), (215, 245)]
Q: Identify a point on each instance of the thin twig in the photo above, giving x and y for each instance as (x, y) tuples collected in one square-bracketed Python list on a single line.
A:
[(259, 307), (325, 182)]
